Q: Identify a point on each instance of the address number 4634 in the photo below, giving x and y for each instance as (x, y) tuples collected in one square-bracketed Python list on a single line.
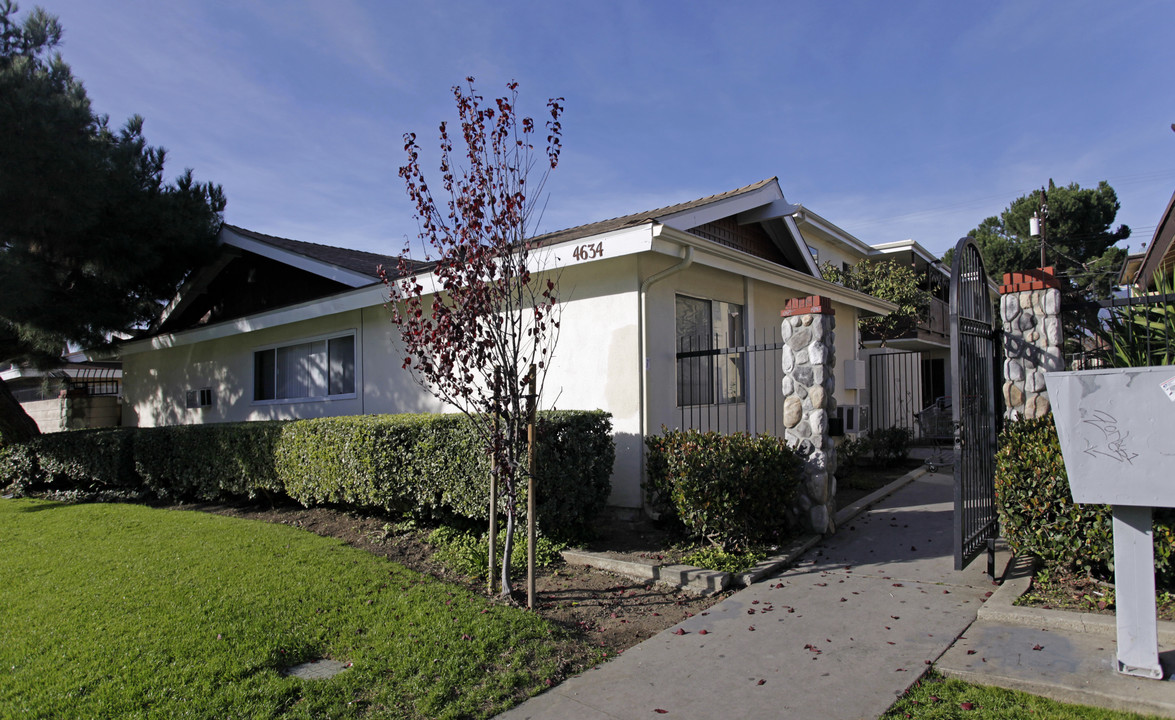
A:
[(588, 252)]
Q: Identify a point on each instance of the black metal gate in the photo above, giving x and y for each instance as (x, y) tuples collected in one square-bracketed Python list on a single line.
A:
[(973, 369), (895, 390)]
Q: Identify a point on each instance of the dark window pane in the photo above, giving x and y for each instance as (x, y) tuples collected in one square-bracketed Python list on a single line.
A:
[(342, 365), (264, 375)]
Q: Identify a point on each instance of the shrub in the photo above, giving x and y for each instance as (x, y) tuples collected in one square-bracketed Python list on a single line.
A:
[(19, 469), (711, 558), (851, 454), (880, 448), (575, 457), (429, 467), (890, 446), (353, 460), (732, 490), (433, 467), (468, 554), (1037, 512), (208, 462), (90, 460)]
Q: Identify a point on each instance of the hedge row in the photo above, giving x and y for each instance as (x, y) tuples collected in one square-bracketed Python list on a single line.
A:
[(734, 490), (423, 466), (1037, 513)]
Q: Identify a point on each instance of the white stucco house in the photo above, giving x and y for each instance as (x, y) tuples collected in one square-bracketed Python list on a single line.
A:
[(278, 328)]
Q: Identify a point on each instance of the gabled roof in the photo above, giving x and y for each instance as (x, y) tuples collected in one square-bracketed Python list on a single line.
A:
[(757, 215), (640, 218), (255, 271), (258, 274), (360, 266)]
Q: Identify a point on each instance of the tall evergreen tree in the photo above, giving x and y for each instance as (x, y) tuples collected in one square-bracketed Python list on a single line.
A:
[(92, 239), (1081, 245)]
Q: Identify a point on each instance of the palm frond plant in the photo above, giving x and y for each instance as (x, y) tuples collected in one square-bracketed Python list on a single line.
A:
[(1141, 333)]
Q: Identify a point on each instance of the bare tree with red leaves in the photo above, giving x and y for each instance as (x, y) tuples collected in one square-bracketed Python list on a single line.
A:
[(485, 322)]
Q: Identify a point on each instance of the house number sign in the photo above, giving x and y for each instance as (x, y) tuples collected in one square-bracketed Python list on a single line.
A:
[(588, 252)]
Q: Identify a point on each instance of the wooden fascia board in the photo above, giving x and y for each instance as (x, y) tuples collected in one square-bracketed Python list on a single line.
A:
[(1161, 251), (317, 267), (373, 294), (798, 237), (710, 212), (771, 211)]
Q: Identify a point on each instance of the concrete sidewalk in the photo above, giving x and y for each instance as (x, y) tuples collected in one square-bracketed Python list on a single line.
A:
[(1066, 656), (839, 635)]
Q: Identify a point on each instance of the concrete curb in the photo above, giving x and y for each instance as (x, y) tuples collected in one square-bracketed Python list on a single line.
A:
[(708, 582), (699, 580), (848, 513), (1000, 608)]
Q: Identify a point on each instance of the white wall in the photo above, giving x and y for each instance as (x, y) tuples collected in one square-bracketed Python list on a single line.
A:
[(596, 362), (594, 366), (763, 302), (155, 382)]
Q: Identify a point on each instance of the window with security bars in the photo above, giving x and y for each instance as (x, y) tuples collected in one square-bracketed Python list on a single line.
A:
[(710, 363)]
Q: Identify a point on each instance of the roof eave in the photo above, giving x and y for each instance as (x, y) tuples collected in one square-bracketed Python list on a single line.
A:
[(1160, 251), (721, 257)]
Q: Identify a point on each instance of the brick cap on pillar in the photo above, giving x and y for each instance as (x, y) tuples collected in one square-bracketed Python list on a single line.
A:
[(811, 305), (1035, 279)]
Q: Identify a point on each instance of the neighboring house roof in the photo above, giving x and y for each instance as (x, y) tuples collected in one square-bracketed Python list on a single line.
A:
[(1160, 254), (806, 218)]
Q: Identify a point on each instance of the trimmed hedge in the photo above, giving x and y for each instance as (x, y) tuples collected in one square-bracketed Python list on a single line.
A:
[(425, 466), (734, 490), (83, 459), (208, 462), (1037, 513)]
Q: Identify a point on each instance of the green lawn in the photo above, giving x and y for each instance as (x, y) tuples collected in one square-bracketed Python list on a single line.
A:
[(115, 610), (937, 698)]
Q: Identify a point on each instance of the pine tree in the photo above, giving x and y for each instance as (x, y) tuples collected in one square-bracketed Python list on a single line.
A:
[(92, 239)]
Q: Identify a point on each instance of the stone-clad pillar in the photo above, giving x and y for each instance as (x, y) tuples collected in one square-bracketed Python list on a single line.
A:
[(809, 356), (1030, 308)]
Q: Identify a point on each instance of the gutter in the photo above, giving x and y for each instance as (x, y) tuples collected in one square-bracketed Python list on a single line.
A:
[(687, 259)]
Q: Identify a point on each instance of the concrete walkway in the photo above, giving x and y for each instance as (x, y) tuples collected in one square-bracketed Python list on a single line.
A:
[(1066, 656), (839, 635)]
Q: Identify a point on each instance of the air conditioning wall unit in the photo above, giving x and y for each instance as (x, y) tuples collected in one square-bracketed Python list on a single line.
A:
[(194, 399), (855, 418)]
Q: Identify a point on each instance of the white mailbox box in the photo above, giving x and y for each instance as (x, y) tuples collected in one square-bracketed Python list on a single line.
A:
[(1117, 433)]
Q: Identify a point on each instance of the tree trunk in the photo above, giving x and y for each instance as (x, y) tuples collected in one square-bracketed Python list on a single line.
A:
[(15, 424), (507, 550)]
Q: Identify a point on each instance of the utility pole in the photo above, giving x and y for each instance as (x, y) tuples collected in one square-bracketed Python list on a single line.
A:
[(1038, 224)]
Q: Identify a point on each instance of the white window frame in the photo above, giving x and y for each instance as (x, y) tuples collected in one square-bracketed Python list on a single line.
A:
[(356, 370)]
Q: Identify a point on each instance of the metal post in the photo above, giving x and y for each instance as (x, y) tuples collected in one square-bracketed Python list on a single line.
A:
[(1134, 578), (530, 504), (493, 559), (1044, 216)]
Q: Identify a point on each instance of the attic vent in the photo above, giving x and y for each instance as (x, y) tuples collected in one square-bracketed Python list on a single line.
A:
[(198, 398), (750, 238)]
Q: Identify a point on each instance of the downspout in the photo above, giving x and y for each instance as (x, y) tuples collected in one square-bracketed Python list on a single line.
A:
[(687, 260)]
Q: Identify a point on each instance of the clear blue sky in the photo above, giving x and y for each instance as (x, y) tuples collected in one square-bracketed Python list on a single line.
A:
[(894, 120)]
